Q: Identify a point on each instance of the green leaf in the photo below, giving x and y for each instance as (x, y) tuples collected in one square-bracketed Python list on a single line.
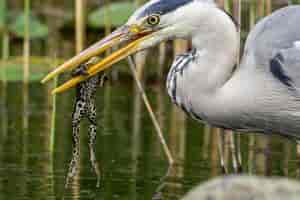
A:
[(118, 13), (13, 69), (37, 29)]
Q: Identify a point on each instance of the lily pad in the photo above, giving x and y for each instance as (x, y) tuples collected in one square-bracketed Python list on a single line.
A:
[(12, 69), (36, 28), (118, 13)]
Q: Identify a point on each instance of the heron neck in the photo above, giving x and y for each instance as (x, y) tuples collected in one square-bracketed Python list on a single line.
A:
[(217, 47)]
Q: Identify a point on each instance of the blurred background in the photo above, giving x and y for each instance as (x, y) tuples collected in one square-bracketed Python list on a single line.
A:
[(35, 127)]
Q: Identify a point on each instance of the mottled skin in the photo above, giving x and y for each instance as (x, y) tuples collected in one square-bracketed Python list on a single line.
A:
[(84, 107)]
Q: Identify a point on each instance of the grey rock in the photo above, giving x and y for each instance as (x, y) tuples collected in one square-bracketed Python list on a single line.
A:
[(246, 188)]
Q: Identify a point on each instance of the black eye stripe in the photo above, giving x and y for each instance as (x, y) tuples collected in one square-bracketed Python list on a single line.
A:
[(163, 7)]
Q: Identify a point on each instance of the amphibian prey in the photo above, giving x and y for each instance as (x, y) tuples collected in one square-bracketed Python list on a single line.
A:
[(85, 107)]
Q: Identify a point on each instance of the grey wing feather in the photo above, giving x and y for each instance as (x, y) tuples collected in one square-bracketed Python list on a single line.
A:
[(285, 66), (272, 34)]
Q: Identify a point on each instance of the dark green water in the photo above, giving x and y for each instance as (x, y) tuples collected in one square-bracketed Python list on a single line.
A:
[(128, 150)]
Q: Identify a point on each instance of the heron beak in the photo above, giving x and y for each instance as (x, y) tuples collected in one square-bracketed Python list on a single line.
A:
[(132, 35)]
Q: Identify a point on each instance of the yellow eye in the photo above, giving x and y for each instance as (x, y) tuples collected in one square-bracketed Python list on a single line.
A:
[(153, 20)]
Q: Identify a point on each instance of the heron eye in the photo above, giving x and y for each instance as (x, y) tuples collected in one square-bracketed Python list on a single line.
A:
[(153, 20)]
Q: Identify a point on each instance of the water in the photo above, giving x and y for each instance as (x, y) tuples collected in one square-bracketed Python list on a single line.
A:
[(131, 158)]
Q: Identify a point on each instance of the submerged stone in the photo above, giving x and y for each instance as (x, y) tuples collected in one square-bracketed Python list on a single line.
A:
[(246, 188)]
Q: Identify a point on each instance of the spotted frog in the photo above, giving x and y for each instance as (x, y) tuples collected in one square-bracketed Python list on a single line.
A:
[(85, 107)]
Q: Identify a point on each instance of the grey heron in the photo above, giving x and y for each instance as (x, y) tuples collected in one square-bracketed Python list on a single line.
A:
[(261, 95)]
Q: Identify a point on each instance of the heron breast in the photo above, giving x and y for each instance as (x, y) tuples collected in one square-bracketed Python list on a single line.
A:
[(175, 82)]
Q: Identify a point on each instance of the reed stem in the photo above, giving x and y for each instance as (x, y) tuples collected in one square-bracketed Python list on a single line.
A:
[(53, 118), (80, 26), (26, 63), (5, 51), (107, 17), (150, 110), (4, 58)]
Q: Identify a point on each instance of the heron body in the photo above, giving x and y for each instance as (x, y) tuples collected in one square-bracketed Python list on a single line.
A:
[(261, 94), (269, 75)]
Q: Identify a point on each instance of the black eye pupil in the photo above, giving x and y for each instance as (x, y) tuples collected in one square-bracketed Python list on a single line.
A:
[(153, 20)]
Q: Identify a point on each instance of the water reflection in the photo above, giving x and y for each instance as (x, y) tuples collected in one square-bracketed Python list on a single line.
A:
[(132, 162)]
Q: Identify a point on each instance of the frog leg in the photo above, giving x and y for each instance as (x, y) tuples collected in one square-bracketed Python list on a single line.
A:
[(78, 114), (92, 138)]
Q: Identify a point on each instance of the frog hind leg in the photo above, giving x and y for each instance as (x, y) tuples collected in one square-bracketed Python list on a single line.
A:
[(78, 114), (92, 139)]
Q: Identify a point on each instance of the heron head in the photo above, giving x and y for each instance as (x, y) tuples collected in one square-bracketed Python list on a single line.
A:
[(151, 24)]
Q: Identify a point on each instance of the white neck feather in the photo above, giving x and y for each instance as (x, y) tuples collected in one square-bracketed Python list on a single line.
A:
[(215, 37), (217, 42)]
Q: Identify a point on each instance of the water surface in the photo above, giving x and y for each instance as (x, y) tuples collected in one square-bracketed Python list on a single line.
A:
[(129, 152)]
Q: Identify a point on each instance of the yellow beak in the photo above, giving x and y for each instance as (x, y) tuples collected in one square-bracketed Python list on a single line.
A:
[(123, 34)]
